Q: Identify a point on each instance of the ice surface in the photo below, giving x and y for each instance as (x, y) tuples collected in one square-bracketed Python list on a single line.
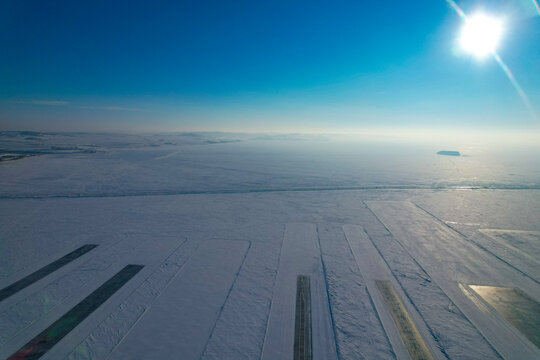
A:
[(223, 222), (168, 164)]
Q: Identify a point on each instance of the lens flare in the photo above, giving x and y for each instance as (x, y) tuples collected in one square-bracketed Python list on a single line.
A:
[(488, 30), (481, 34), (536, 6)]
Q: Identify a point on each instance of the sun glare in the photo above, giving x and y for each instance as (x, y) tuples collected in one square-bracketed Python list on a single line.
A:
[(481, 34)]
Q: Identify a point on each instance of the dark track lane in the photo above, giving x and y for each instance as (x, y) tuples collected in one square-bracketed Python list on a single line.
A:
[(49, 337), (44, 271)]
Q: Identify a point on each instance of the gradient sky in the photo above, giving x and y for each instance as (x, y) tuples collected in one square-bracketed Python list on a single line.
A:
[(281, 66)]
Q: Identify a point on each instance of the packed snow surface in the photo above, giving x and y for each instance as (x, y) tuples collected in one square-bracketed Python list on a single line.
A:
[(224, 223)]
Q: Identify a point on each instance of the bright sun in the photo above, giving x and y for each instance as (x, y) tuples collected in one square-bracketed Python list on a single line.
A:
[(481, 34)]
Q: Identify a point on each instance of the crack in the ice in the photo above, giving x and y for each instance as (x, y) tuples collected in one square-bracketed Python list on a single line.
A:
[(270, 190)]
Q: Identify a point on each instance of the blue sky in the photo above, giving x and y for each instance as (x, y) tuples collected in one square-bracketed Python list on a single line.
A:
[(302, 66)]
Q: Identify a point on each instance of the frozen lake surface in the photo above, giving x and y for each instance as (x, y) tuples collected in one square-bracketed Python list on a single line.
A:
[(391, 239)]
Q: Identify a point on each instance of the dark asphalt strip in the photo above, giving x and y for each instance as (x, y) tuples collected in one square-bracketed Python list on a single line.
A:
[(44, 271), (302, 326), (43, 342)]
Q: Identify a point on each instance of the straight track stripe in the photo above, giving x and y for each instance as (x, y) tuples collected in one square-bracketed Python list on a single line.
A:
[(302, 328), (410, 335), (43, 342), (44, 271), (300, 255)]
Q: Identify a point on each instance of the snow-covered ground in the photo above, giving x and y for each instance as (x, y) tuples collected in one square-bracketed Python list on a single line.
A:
[(224, 223)]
